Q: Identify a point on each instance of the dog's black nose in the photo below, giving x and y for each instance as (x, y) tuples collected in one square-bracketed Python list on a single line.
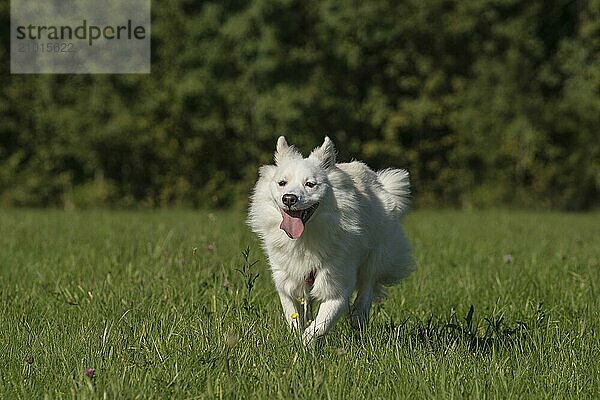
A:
[(289, 199)]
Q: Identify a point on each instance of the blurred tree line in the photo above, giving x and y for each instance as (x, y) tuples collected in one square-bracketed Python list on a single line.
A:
[(490, 102)]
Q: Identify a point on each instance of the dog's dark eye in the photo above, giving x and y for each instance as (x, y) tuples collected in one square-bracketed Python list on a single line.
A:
[(282, 183), (310, 184)]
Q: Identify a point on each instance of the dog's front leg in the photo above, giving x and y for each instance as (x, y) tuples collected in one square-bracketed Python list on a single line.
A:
[(329, 312), (291, 311)]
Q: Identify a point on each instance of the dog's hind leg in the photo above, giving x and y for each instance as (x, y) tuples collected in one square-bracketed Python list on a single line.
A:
[(306, 304), (359, 312)]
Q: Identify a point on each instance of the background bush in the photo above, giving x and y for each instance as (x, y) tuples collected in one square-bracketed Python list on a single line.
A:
[(495, 102)]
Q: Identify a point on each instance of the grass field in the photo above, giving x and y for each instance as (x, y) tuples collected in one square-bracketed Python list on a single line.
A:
[(502, 305)]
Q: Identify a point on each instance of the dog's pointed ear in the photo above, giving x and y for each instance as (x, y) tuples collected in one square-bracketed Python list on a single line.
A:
[(282, 144), (325, 154), (284, 150)]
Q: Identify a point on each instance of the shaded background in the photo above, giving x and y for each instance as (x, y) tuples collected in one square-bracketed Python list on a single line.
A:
[(486, 103)]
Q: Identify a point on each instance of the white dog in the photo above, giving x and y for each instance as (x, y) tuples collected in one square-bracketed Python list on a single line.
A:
[(329, 229)]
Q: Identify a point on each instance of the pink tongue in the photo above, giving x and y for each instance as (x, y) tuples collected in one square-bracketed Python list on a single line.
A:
[(293, 226)]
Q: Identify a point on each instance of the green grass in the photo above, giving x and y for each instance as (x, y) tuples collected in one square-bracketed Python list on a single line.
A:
[(127, 294)]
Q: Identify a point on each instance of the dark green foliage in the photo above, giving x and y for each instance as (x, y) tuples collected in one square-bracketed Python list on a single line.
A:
[(485, 103)]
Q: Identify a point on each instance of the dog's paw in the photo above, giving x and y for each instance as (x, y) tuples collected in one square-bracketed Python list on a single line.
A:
[(310, 338), (357, 319)]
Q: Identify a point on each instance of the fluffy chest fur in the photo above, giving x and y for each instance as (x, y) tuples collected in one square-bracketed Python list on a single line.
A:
[(307, 266)]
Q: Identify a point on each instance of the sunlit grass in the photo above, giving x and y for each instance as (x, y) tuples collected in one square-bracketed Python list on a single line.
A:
[(166, 305)]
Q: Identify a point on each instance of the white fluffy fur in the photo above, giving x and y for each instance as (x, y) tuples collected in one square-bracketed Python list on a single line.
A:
[(353, 241)]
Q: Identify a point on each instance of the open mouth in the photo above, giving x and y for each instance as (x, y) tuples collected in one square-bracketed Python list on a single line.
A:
[(294, 220), (304, 215)]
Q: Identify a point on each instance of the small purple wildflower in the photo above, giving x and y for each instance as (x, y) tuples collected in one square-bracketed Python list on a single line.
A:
[(210, 247), (508, 258), (90, 372)]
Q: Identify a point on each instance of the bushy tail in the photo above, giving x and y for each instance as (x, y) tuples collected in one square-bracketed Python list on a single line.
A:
[(396, 184)]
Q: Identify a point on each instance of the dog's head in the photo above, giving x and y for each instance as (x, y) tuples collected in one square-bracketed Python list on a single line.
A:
[(297, 184)]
